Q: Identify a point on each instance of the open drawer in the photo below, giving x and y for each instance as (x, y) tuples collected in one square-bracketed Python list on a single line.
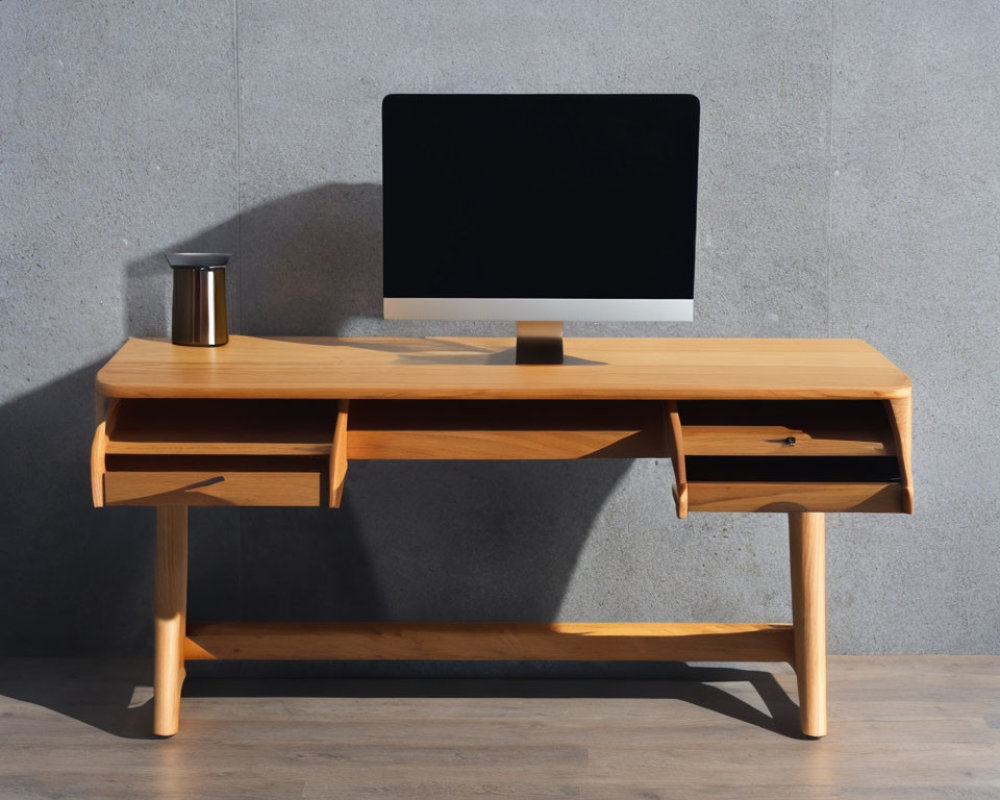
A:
[(213, 452), (802, 455)]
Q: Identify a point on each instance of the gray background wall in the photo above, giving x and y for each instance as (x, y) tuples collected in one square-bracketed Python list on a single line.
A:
[(849, 188)]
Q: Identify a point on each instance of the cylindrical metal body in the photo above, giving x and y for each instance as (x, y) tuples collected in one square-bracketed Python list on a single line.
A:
[(199, 316)]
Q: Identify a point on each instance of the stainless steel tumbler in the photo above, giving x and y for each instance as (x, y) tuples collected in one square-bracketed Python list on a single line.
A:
[(199, 316)]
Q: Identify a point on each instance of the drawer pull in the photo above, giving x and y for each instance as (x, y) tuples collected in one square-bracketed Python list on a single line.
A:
[(790, 441)]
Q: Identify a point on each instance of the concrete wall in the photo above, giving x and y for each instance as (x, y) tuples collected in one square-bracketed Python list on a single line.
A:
[(849, 188)]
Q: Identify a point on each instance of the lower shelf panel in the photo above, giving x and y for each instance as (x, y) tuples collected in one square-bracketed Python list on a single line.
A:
[(553, 641)]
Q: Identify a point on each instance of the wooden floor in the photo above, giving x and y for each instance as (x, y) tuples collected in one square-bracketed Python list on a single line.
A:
[(901, 727)]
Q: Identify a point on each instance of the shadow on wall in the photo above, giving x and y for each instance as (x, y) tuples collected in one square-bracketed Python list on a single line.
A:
[(71, 580), (434, 541), (303, 265), (75, 580)]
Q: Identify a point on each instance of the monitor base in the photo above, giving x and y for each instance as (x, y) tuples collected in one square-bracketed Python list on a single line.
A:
[(539, 343)]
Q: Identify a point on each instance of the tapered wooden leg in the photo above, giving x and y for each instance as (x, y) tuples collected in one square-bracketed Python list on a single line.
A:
[(170, 617), (806, 535)]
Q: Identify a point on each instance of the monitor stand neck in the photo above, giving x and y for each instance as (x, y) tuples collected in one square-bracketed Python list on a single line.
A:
[(539, 343)]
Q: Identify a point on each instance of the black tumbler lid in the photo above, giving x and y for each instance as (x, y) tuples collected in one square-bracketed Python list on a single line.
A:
[(198, 260)]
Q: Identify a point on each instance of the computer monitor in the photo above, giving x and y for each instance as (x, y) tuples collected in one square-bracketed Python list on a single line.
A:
[(539, 208)]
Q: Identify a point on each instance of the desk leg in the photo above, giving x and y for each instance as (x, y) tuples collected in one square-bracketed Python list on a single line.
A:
[(170, 614), (806, 534)]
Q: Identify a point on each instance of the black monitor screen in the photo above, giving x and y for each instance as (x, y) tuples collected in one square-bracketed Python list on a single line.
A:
[(555, 196)]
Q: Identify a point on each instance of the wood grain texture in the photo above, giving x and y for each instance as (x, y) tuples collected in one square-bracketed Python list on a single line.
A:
[(98, 450), (807, 536), (338, 454), (572, 641), (901, 415), (482, 368), (107, 423), (678, 450), (795, 496), (170, 610), (494, 445), (504, 429), (204, 487)]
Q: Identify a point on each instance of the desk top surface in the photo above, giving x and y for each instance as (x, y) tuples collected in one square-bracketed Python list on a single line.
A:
[(483, 368)]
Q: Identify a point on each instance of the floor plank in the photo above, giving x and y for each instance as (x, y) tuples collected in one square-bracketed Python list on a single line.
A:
[(900, 727)]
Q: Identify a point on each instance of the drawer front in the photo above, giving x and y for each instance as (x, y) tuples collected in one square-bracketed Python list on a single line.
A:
[(794, 496), (213, 488)]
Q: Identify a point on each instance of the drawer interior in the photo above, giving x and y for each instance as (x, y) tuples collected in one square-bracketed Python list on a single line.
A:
[(824, 469), (787, 428), (223, 427)]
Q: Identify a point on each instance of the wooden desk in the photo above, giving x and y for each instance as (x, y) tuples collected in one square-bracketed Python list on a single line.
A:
[(797, 426)]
